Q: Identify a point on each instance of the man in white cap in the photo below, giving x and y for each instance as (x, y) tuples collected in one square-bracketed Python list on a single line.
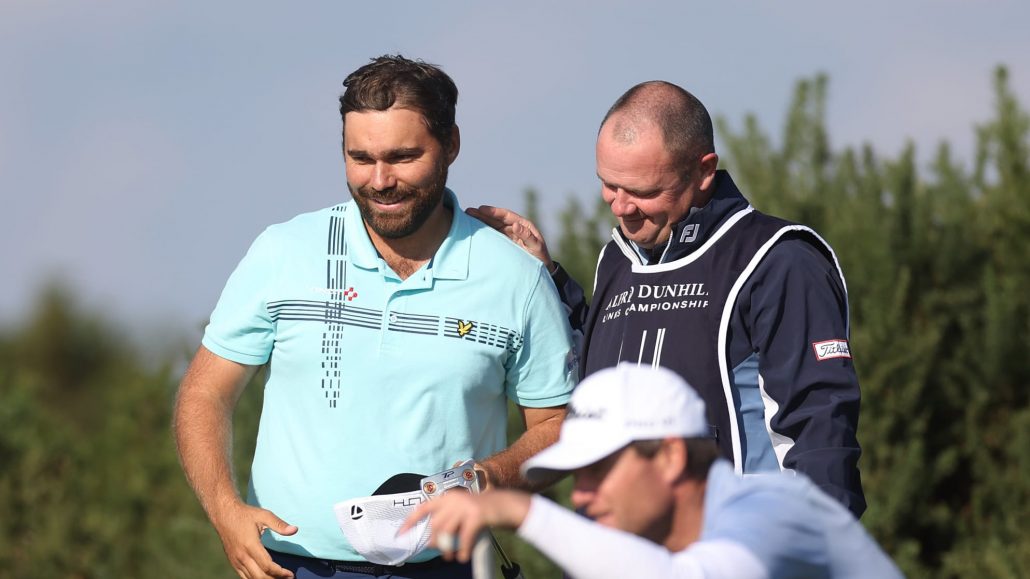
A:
[(662, 502)]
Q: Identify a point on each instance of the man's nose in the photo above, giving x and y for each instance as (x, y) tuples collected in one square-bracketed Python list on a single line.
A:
[(382, 177), (622, 204), (583, 491)]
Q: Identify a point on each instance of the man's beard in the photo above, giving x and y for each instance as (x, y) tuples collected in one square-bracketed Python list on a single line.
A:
[(394, 226)]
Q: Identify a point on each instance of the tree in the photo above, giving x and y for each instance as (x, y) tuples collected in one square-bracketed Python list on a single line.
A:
[(936, 268)]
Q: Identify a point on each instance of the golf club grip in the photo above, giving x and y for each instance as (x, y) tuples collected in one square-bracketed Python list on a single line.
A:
[(483, 561)]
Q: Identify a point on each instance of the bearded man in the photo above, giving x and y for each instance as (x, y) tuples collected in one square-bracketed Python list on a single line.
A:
[(395, 329)]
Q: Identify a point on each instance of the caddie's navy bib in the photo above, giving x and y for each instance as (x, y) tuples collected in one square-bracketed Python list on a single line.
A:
[(676, 314)]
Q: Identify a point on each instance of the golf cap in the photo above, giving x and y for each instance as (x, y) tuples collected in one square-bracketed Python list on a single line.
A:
[(371, 523), (616, 406)]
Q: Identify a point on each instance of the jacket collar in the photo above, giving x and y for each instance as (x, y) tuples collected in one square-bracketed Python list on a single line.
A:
[(693, 231)]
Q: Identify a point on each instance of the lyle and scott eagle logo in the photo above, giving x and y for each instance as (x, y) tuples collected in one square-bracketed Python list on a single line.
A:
[(464, 328)]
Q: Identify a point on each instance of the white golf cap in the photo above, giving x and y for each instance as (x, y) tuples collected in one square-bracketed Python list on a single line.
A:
[(616, 406), (370, 525)]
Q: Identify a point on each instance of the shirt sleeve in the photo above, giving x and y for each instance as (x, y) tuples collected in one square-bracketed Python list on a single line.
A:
[(241, 328), (545, 368), (795, 310), (586, 549), (573, 300)]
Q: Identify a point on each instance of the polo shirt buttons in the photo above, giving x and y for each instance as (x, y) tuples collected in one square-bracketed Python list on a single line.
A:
[(393, 318)]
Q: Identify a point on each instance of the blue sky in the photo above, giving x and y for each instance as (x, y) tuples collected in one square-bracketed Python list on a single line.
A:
[(143, 145)]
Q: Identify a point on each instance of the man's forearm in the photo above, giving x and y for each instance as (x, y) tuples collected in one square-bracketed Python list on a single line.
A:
[(502, 469), (583, 548), (203, 436), (203, 428), (832, 466)]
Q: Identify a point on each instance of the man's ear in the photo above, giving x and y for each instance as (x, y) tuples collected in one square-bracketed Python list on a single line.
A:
[(672, 459), (709, 163), (455, 145)]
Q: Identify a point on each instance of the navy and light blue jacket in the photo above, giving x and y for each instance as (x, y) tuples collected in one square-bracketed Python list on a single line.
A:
[(752, 311)]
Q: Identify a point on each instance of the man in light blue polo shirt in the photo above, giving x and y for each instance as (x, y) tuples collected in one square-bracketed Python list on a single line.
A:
[(395, 328)]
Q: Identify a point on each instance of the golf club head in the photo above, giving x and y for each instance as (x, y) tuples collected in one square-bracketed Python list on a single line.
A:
[(463, 475)]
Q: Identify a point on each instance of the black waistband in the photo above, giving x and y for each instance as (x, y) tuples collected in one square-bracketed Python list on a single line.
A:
[(374, 569)]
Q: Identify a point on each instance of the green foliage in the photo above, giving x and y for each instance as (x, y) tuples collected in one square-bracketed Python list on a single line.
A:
[(937, 267), (90, 485)]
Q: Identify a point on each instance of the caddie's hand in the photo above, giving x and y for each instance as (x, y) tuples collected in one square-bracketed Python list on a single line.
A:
[(517, 228), (457, 519), (240, 527)]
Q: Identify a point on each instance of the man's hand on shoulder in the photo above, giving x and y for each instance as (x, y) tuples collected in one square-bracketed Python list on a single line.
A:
[(240, 527), (516, 228)]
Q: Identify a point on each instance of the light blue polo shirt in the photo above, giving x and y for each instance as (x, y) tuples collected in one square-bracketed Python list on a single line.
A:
[(370, 375), (791, 526)]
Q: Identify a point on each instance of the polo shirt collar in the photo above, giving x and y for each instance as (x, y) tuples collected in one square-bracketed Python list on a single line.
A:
[(451, 260)]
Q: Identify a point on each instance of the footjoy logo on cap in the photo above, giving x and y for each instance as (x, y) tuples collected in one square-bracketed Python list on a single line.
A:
[(831, 349)]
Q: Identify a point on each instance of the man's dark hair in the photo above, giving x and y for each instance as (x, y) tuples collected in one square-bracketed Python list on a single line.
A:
[(392, 80), (685, 123), (701, 453)]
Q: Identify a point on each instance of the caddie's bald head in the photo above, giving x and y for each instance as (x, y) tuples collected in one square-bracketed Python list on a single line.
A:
[(685, 123)]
